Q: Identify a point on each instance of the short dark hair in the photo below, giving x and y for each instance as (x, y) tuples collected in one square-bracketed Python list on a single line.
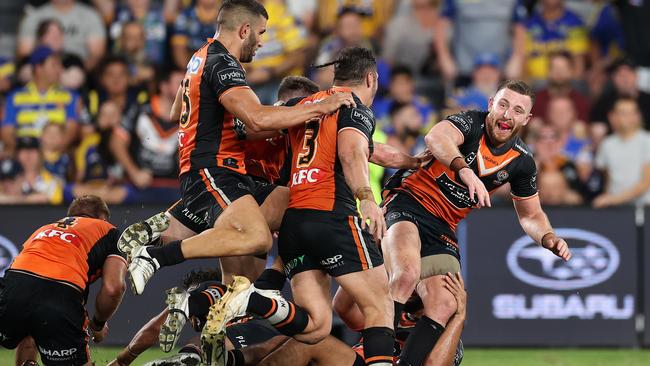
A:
[(89, 206), (197, 277), (518, 86), (292, 85), (561, 54), (43, 26), (353, 64), (621, 99), (398, 70), (235, 12)]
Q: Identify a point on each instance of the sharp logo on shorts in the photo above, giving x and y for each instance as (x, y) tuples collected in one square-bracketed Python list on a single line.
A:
[(332, 262), (58, 353), (51, 233), (8, 252), (293, 264), (595, 259), (194, 65), (305, 176), (231, 74)]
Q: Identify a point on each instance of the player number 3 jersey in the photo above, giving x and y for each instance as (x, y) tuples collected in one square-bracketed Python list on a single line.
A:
[(316, 179)]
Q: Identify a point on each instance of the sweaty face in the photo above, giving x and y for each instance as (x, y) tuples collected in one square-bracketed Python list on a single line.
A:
[(253, 42), (509, 111)]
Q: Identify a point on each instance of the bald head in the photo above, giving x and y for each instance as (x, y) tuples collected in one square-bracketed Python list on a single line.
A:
[(235, 13)]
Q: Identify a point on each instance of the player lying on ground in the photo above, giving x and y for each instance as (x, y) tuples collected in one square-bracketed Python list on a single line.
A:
[(43, 293), (249, 341), (475, 152)]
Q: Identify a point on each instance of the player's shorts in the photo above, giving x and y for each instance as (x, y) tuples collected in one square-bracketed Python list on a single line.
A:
[(436, 236), (322, 240), (249, 332), (51, 312), (206, 193)]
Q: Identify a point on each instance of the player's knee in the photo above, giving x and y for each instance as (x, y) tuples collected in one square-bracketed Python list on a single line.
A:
[(403, 281), (315, 336), (262, 241)]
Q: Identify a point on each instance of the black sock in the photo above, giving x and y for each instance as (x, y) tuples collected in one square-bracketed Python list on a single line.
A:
[(398, 313), (203, 297), (168, 254), (270, 279), (235, 358), (288, 318), (421, 341), (378, 345)]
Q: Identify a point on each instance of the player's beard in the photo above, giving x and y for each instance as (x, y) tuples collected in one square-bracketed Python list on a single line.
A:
[(498, 137), (248, 49)]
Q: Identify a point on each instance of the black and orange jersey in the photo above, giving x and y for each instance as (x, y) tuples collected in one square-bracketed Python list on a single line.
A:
[(265, 158), (71, 250), (316, 179), (206, 136), (441, 191)]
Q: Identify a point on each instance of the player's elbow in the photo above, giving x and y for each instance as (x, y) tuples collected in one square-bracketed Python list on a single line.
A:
[(114, 289)]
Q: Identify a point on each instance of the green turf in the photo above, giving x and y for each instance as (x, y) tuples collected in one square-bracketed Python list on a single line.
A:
[(473, 357)]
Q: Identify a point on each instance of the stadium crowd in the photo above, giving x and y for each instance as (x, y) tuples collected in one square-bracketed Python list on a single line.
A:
[(86, 87)]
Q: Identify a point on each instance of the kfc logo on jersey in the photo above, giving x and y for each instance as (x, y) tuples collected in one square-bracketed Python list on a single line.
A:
[(8, 252), (194, 65), (595, 259), (231, 75), (51, 233), (305, 176)]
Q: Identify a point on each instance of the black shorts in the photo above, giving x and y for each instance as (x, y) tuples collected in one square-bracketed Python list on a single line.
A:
[(250, 332), (206, 193), (436, 237), (322, 240), (51, 312)]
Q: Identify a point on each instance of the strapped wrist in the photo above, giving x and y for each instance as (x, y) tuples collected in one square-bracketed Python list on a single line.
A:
[(457, 164), (541, 242), (96, 325), (364, 193)]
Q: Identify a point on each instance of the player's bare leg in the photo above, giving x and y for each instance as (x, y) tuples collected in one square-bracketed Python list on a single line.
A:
[(401, 250), (26, 351), (240, 230), (329, 352), (274, 206), (348, 310), (248, 266)]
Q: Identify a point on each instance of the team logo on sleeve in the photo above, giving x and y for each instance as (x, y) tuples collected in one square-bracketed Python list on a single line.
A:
[(231, 75), (362, 117)]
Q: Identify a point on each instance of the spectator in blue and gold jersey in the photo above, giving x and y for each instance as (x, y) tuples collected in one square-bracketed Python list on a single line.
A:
[(41, 101), (554, 28), (194, 25)]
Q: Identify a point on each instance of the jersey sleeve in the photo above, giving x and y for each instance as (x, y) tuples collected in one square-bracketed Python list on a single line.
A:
[(105, 247), (360, 119), (226, 73), (469, 123), (524, 183)]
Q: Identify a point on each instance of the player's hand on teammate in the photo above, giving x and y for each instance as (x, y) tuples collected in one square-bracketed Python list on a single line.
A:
[(335, 101), (424, 158), (557, 245), (477, 191), (456, 285), (371, 213)]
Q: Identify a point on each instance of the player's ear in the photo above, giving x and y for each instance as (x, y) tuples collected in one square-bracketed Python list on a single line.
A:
[(530, 115), (245, 30), (369, 79), (490, 102)]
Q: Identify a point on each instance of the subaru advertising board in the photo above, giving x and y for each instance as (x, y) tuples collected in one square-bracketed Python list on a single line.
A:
[(522, 295)]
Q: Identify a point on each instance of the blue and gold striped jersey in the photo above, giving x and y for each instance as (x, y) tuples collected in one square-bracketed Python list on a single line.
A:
[(29, 110)]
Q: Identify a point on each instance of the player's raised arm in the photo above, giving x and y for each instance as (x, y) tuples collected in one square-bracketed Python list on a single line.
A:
[(244, 104), (535, 223)]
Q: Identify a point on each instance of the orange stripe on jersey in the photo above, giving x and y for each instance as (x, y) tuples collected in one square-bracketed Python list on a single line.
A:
[(231, 89), (59, 251), (210, 188), (488, 163), (357, 242)]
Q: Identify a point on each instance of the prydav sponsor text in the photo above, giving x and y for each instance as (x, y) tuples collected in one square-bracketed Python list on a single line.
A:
[(595, 260)]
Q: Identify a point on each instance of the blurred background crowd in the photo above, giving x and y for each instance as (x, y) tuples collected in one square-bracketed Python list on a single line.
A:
[(86, 86)]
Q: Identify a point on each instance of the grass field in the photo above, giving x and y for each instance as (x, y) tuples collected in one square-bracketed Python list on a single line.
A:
[(473, 357)]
